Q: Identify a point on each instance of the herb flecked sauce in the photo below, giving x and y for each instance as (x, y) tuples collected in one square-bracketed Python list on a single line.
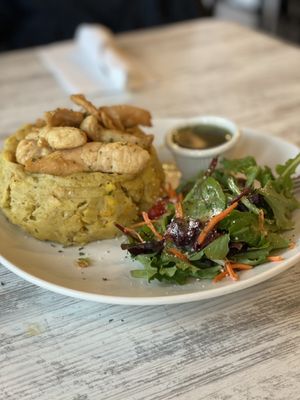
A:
[(201, 137)]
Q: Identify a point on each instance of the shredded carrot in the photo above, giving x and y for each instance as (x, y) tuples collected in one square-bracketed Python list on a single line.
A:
[(233, 275), (178, 210), (178, 254), (214, 221), (261, 222), (151, 226), (275, 258), (180, 197), (229, 271), (134, 234), (171, 192), (172, 195), (220, 276), (240, 266), (129, 232)]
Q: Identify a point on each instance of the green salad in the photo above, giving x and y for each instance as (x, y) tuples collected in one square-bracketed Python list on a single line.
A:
[(229, 218)]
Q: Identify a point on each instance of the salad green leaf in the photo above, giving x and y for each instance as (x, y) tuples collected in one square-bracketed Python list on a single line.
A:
[(252, 257), (243, 227), (284, 181), (235, 190), (241, 165), (281, 205), (218, 249), (205, 200)]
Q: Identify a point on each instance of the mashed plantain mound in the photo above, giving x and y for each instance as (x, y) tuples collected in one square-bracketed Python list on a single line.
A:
[(78, 208)]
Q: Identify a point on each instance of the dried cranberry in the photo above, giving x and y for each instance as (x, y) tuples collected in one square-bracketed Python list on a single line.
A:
[(157, 210), (183, 231), (256, 199)]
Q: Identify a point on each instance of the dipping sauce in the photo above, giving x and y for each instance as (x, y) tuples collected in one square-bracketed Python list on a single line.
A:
[(201, 136)]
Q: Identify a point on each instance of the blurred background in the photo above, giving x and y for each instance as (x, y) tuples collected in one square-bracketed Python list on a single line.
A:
[(25, 23)]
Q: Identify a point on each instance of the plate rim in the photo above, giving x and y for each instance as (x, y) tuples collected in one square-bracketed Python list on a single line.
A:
[(155, 300)]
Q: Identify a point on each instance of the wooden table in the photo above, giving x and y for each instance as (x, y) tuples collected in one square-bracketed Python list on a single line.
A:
[(240, 346)]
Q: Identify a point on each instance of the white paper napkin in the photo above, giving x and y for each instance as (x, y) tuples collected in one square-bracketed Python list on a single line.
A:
[(93, 62)]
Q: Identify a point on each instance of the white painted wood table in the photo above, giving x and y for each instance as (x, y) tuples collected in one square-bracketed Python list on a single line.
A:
[(240, 346)]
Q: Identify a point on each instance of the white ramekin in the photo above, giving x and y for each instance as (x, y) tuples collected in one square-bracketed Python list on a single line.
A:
[(192, 161)]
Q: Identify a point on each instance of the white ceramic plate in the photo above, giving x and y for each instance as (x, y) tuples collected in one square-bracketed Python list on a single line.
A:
[(108, 280)]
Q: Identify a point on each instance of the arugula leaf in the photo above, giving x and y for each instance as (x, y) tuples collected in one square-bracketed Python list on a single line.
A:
[(169, 271), (163, 267), (185, 270), (205, 200), (249, 167), (252, 173), (169, 268), (279, 196), (252, 257), (255, 256), (169, 259), (281, 205), (206, 273), (243, 227), (235, 190), (147, 262), (139, 273), (284, 181), (239, 165), (180, 277), (218, 249), (196, 256), (276, 241), (264, 175)]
